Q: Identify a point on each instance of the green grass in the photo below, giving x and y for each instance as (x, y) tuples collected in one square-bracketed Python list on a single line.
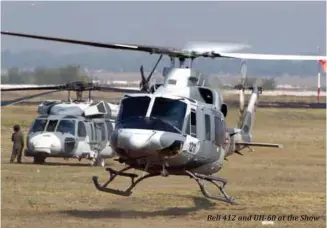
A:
[(288, 181)]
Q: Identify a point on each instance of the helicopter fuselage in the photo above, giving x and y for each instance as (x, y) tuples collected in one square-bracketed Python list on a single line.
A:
[(71, 130), (167, 130)]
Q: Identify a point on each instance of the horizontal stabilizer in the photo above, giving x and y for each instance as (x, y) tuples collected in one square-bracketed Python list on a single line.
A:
[(259, 144)]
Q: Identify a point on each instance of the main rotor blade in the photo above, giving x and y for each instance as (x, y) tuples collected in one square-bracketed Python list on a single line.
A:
[(15, 101), (132, 47), (105, 88), (32, 88), (175, 52), (271, 56)]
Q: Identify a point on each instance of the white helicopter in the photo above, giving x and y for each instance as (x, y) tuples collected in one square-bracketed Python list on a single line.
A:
[(73, 128), (179, 128)]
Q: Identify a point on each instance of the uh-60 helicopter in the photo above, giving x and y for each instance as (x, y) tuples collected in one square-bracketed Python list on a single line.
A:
[(73, 128), (178, 127)]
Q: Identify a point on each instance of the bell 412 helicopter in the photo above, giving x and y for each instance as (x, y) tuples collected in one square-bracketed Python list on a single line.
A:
[(178, 127)]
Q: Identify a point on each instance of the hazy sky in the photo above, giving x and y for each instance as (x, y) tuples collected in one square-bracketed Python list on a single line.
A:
[(275, 27)]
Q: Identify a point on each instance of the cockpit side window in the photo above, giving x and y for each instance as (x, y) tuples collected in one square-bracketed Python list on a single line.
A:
[(52, 125), (66, 126), (170, 111), (38, 125), (81, 130)]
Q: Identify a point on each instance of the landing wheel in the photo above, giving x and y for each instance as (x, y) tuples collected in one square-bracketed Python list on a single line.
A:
[(99, 161), (39, 159)]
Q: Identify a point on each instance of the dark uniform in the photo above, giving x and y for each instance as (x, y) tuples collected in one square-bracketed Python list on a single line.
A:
[(18, 144)]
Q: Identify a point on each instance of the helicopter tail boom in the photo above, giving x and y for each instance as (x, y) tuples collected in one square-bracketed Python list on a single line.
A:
[(247, 144), (242, 136)]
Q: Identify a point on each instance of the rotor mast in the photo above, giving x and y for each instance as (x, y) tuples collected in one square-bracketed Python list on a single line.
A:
[(182, 62)]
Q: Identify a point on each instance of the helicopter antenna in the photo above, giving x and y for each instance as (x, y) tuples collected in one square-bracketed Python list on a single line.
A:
[(144, 84)]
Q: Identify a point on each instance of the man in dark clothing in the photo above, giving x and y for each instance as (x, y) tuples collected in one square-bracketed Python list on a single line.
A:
[(18, 144)]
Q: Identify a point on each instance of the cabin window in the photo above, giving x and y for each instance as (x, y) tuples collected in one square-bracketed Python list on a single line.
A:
[(206, 95), (188, 125), (110, 128), (103, 132), (207, 127), (51, 125), (81, 130), (172, 81), (220, 131), (92, 132), (193, 123)]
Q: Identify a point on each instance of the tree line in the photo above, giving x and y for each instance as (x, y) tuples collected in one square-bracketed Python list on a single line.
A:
[(40, 75), (71, 73)]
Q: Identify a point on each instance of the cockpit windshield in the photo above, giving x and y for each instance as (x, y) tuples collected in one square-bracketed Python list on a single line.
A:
[(170, 111), (52, 125), (66, 126), (166, 115), (38, 125), (133, 107)]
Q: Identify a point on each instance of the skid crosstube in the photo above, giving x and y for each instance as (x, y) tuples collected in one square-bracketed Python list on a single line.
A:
[(199, 178), (113, 174)]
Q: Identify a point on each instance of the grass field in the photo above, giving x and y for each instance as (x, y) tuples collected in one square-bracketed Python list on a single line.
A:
[(288, 181)]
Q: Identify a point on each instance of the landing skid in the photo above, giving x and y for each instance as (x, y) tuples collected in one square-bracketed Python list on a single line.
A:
[(199, 178), (113, 174)]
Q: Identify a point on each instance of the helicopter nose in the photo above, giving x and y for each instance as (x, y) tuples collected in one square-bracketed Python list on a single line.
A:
[(135, 140), (45, 143), (146, 141), (138, 141)]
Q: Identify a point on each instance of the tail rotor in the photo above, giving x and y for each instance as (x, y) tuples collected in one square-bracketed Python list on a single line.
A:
[(241, 88)]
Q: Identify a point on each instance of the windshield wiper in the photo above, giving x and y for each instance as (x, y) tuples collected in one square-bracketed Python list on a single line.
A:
[(166, 122)]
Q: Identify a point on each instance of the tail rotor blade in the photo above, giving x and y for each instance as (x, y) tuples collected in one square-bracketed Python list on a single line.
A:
[(241, 89)]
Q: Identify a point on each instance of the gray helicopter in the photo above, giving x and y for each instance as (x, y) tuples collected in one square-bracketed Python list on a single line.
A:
[(73, 128), (179, 127)]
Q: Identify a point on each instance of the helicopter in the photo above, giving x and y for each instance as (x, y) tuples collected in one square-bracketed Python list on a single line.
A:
[(179, 127), (72, 128)]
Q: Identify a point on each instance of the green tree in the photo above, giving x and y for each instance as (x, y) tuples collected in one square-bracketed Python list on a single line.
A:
[(249, 81), (269, 84), (60, 75)]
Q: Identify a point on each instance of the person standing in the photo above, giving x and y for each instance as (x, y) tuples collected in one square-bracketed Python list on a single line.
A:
[(18, 144)]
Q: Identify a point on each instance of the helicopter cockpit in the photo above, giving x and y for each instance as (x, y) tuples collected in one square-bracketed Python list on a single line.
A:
[(54, 125), (152, 113)]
